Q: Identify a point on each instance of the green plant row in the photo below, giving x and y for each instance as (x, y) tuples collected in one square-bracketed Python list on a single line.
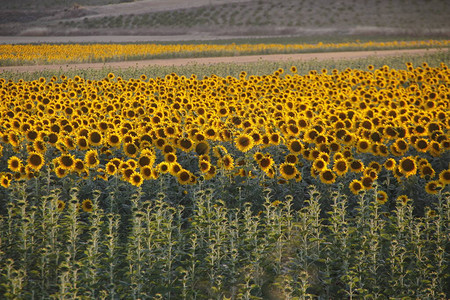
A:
[(149, 248), (233, 69)]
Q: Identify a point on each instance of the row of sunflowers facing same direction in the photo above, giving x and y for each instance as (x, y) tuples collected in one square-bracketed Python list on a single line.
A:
[(62, 53), (334, 126)]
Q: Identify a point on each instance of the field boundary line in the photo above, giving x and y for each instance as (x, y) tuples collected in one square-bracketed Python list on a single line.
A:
[(319, 56)]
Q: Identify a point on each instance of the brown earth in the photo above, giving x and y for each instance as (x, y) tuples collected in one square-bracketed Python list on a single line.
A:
[(228, 59), (226, 17)]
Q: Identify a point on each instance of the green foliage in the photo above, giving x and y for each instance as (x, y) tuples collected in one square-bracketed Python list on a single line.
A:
[(234, 69), (211, 248)]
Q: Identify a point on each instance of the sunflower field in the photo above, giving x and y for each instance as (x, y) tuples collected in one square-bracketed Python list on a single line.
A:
[(327, 185), (87, 53)]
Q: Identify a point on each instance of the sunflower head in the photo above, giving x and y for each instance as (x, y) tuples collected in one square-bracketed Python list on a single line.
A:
[(356, 186), (407, 166), (327, 176), (35, 160), (244, 142), (14, 164), (288, 170), (136, 179), (381, 197), (87, 205)]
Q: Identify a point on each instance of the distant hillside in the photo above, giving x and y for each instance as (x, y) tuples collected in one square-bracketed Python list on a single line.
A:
[(226, 17)]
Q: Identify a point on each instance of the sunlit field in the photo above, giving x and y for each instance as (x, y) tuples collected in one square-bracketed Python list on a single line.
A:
[(86, 53), (325, 183)]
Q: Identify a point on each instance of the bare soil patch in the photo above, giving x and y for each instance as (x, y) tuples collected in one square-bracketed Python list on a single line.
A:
[(146, 6), (228, 59), (229, 17)]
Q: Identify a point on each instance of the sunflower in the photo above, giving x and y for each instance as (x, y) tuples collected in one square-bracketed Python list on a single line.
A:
[(39, 146), (91, 158), (184, 177), (291, 158), (426, 171), (367, 182), (146, 172), (375, 166), (101, 174), (87, 205), (403, 199), (202, 148), (170, 131), (407, 166), (60, 205), (170, 158), (174, 168), (66, 161), (79, 166), (204, 166), (227, 162), (168, 149), (382, 197), (356, 186), (319, 164), (433, 187), (363, 146), (136, 179), (185, 144), (13, 139), (275, 139), (435, 148), (327, 176), (211, 133), (95, 138), (401, 145), (219, 151), (444, 177), (266, 163), (258, 156), (113, 139), (431, 213), (5, 181), (60, 171), (110, 168), (69, 143), (14, 164), (211, 172), (390, 164), (130, 149), (163, 167), (31, 135), (287, 170), (295, 146), (356, 165), (340, 166), (244, 142), (421, 145), (127, 173), (35, 160), (145, 160), (82, 143), (226, 135)]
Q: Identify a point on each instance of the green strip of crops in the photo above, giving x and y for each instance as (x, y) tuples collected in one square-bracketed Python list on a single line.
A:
[(233, 69)]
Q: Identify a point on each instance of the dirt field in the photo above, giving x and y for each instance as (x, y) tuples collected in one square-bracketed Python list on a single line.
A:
[(225, 17), (231, 59), (146, 6), (115, 39)]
